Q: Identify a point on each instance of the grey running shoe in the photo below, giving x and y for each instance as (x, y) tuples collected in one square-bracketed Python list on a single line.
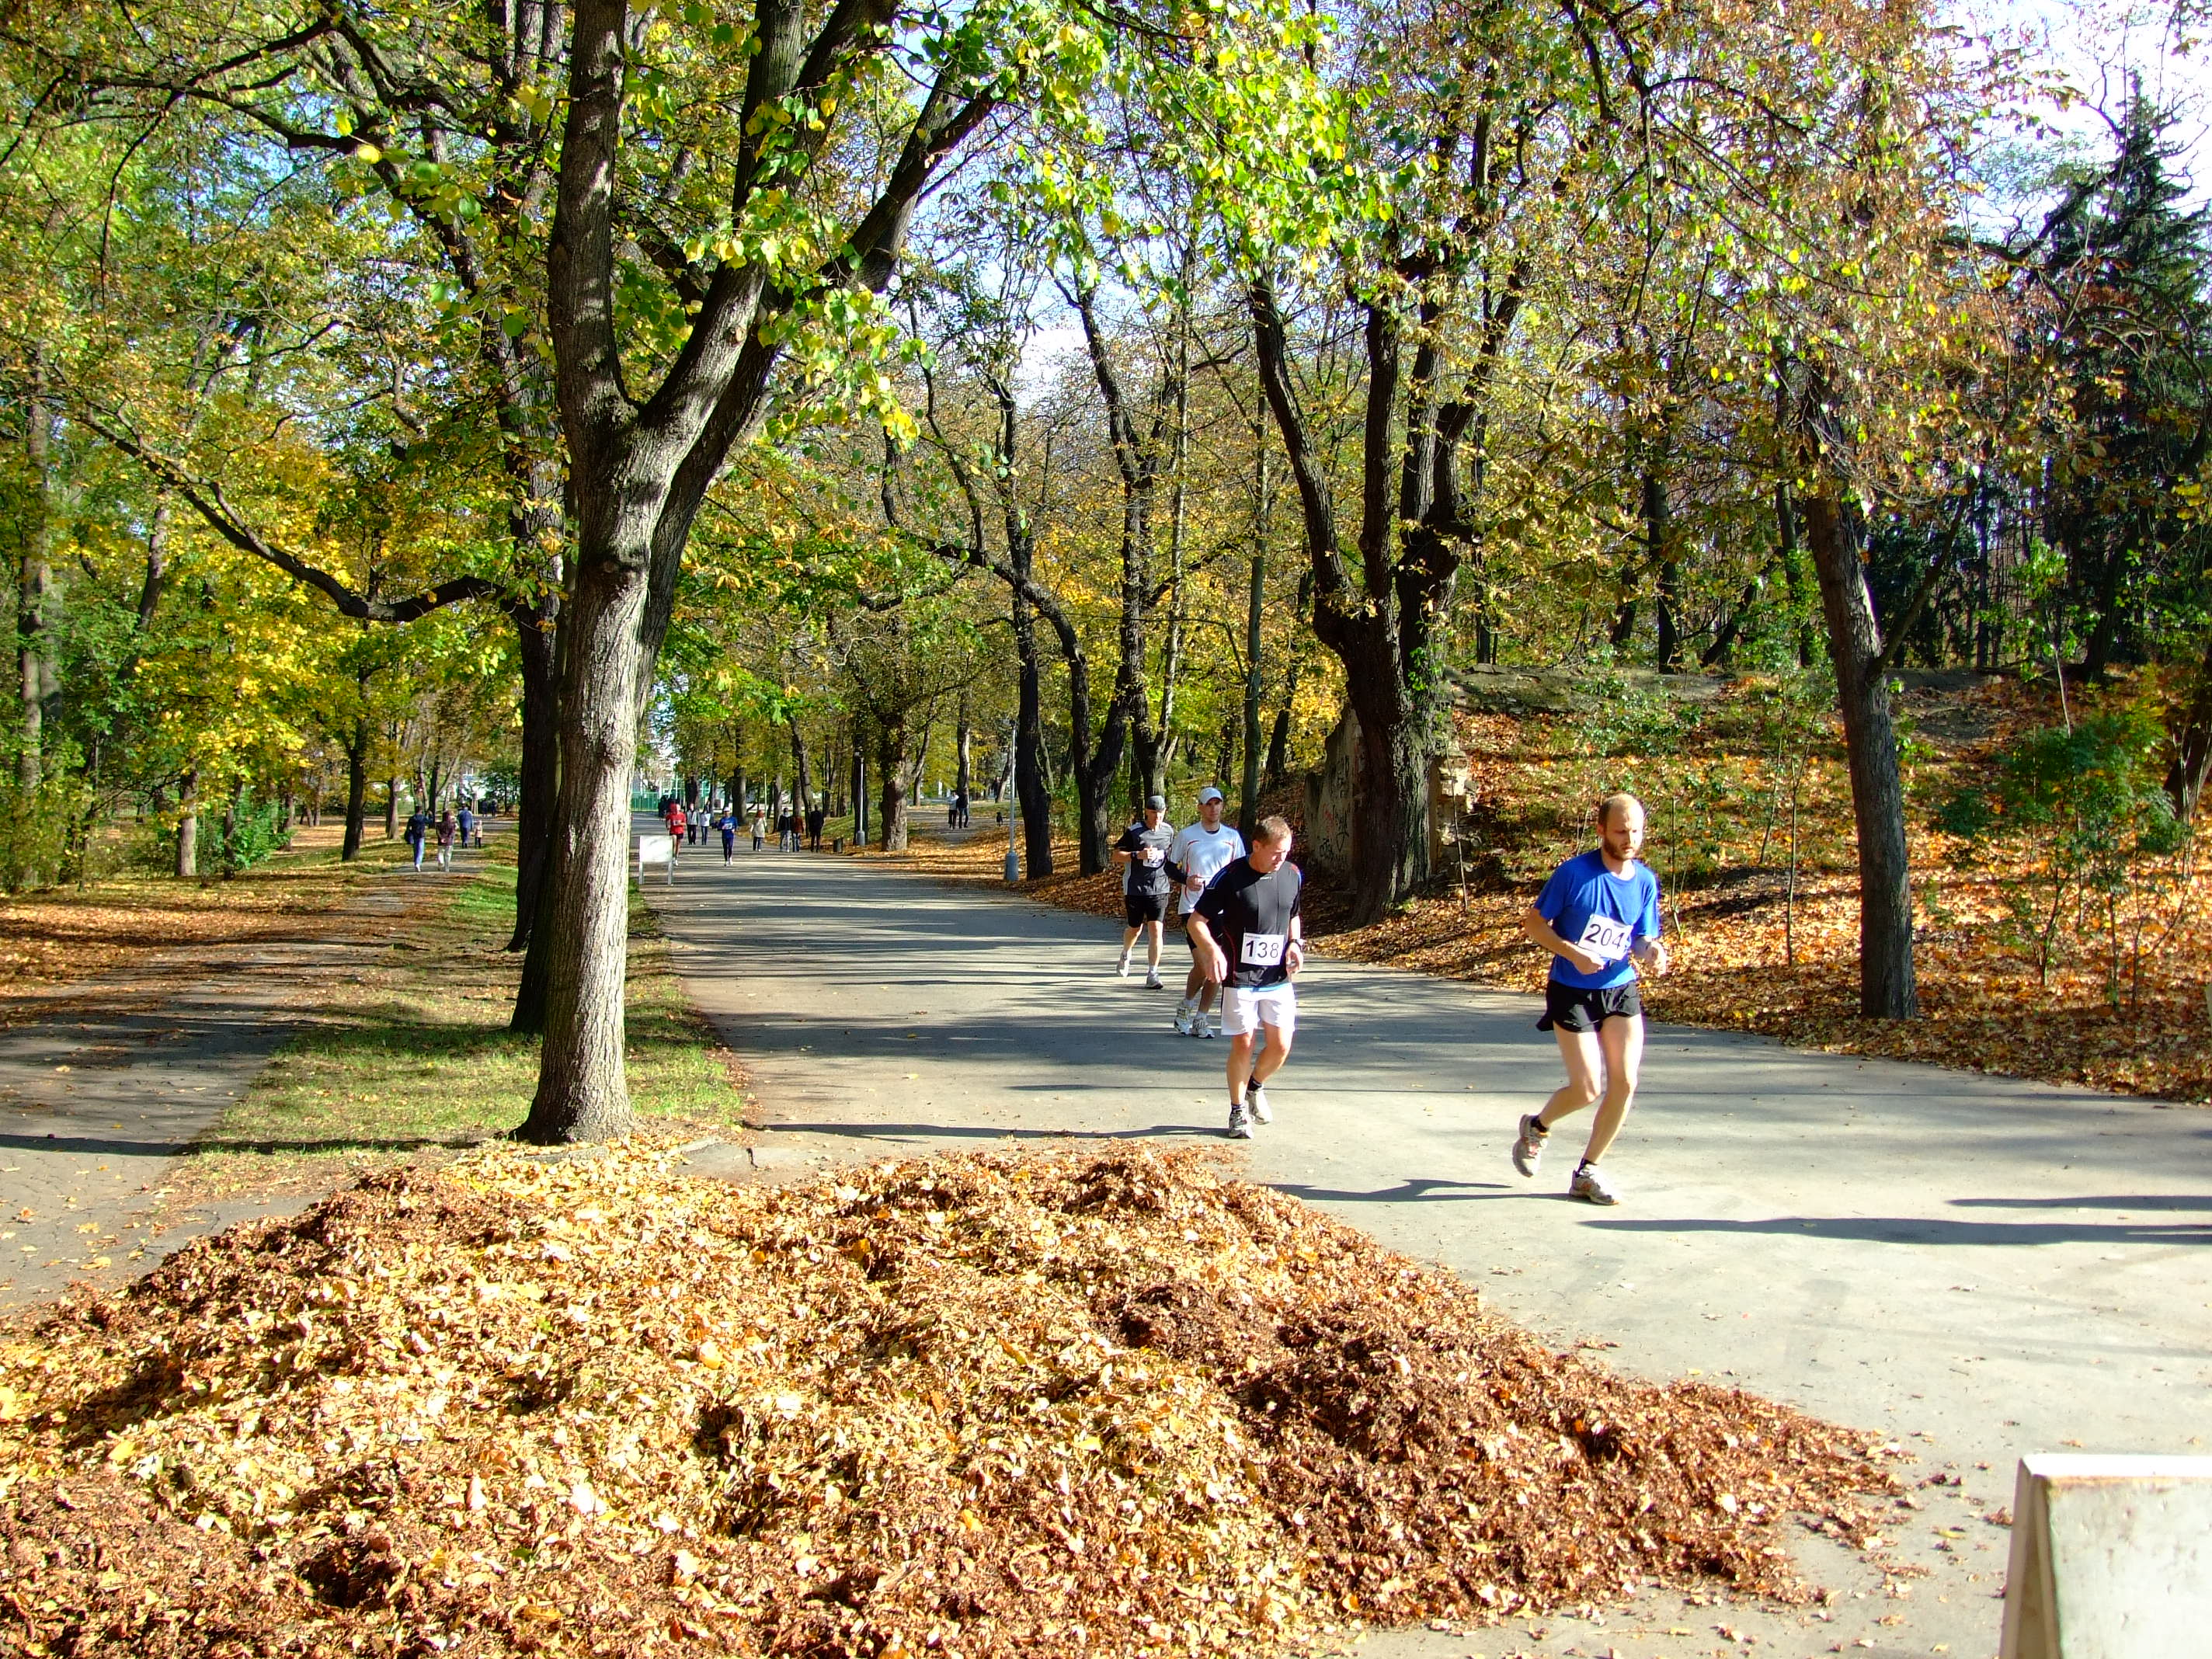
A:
[(1255, 1102), (1122, 967), (1240, 1123), (1590, 1185), (1529, 1146), (1154, 982)]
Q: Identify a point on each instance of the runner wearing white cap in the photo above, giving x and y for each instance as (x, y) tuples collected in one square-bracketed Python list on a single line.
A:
[(1201, 852)]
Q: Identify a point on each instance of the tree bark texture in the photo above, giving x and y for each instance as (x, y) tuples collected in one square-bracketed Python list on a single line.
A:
[(1032, 797), (1248, 808), (34, 582), (1887, 986), (537, 794), (188, 824), (582, 1092), (356, 809), (640, 466), (891, 763), (1379, 611)]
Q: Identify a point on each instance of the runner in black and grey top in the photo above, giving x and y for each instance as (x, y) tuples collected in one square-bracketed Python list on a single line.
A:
[(1250, 925), (1147, 886)]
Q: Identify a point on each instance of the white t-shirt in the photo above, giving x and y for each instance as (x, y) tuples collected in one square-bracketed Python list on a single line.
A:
[(1205, 853)]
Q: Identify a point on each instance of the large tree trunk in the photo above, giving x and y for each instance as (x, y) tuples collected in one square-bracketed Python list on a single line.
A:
[(188, 824), (1887, 987), (582, 1092), (1389, 852), (34, 581), (1032, 797), (1659, 535), (1247, 809), (357, 810), (963, 737), (891, 764), (802, 775), (537, 796)]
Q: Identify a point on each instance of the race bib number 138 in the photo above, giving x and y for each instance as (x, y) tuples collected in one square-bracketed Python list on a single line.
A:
[(1262, 950)]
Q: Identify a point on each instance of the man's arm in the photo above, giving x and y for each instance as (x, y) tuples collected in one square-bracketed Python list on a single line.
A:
[(1217, 968), (1540, 933)]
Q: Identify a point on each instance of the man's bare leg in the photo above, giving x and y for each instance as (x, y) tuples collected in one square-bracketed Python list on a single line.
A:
[(1584, 1085), (1246, 1067), (1621, 1039), (1240, 1066)]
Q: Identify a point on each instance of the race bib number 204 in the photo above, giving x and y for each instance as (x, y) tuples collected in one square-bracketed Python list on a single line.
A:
[(1261, 950), (1605, 939)]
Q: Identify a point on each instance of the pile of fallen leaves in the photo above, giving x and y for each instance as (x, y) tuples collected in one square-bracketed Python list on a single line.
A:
[(1097, 1403)]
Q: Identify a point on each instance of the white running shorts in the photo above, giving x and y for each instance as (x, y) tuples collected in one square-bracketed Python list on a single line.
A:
[(1243, 1011)]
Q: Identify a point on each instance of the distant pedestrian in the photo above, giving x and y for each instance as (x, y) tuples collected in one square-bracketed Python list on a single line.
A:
[(816, 818), (676, 822), (466, 821), (1599, 917), (418, 832), (760, 827), (446, 827), (728, 825), (960, 809)]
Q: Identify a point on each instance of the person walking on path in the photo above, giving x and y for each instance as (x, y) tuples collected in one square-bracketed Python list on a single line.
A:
[(445, 841), (466, 821), (1599, 917), (1146, 884), (1251, 928), (760, 827), (1200, 852), (418, 832), (816, 818), (728, 826)]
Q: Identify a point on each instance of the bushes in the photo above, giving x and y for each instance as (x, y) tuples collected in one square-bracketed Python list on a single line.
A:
[(2080, 819)]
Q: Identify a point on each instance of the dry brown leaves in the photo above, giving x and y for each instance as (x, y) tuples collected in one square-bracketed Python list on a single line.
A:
[(1096, 1403), (64, 934)]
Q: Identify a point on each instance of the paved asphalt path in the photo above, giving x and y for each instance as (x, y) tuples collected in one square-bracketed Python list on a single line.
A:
[(1977, 1267), (99, 1098)]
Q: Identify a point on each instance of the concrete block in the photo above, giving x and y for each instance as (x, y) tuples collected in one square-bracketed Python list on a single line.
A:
[(2111, 1559)]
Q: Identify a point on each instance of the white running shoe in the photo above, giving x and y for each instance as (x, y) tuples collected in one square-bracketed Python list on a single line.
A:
[(1590, 1185), (1185, 1011), (1153, 981), (1122, 967), (1204, 1027), (1240, 1123), (1255, 1102), (1529, 1145)]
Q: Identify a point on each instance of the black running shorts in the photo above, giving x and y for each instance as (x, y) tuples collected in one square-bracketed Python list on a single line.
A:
[(1576, 1009), (1141, 908)]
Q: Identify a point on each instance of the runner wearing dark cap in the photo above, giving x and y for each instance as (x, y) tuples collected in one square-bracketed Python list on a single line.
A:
[(1147, 886)]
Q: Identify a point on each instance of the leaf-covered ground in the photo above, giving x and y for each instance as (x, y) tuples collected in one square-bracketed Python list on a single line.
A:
[(2126, 1005), (57, 936), (1099, 1403)]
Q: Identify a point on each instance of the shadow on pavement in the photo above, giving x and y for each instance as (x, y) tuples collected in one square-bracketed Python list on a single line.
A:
[(980, 1132), (1918, 1229)]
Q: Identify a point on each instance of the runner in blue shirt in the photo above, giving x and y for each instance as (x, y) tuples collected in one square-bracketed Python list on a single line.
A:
[(1599, 917)]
